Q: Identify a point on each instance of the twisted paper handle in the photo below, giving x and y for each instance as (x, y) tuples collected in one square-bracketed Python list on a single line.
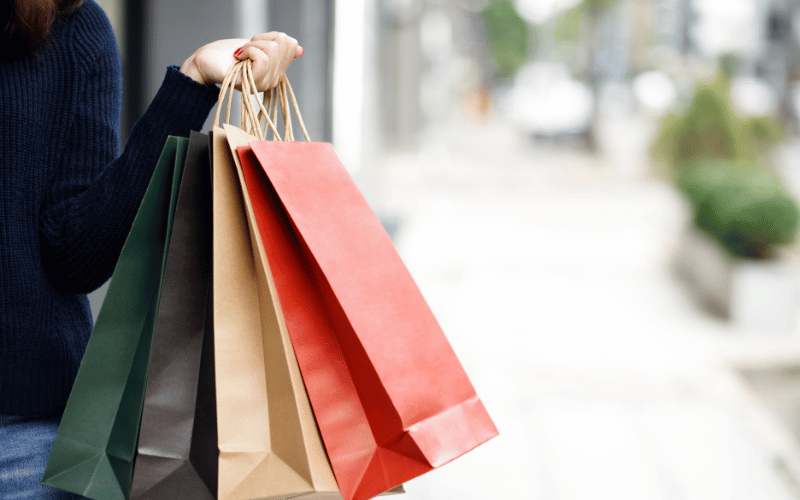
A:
[(252, 118)]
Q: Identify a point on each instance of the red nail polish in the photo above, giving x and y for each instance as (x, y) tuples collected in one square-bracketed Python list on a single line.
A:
[(238, 52)]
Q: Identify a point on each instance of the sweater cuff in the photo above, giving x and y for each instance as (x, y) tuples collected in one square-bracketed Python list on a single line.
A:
[(188, 102)]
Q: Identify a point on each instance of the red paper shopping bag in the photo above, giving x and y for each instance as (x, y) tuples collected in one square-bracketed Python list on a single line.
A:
[(389, 395)]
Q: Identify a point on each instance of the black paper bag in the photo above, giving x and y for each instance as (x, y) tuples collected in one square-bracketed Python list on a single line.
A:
[(177, 456)]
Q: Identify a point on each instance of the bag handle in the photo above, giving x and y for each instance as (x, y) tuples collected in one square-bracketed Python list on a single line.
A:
[(281, 96), (239, 71)]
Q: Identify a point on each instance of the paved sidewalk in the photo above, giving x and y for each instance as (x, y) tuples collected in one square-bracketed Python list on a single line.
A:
[(549, 271)]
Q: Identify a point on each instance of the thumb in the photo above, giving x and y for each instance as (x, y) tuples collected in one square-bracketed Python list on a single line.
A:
[(299, 52)]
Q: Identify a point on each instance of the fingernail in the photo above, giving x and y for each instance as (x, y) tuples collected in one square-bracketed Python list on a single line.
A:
[(300, 51), (238, 52)]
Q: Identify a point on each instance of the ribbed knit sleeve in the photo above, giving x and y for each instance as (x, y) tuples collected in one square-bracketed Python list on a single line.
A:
[(94, 197), (68, 199)]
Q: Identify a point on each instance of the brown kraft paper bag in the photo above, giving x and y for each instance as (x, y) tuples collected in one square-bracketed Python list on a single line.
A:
[(268, 441)]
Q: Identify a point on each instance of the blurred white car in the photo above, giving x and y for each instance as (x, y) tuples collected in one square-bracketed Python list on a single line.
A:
[(753, 97), (655, 91), (546, 101)]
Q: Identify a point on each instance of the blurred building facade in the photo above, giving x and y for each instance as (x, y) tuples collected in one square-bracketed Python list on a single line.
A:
[(405, 61), (380, 59), (153, 34)]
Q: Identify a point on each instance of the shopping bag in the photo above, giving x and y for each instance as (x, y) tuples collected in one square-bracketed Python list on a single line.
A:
[(389, 395), (268, 442), (165, 466), (94, 449)]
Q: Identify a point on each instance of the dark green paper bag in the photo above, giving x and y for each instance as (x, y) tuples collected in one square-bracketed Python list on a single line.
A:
[(94, 450)]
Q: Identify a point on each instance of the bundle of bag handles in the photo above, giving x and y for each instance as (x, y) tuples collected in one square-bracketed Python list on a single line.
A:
[(252, 118)]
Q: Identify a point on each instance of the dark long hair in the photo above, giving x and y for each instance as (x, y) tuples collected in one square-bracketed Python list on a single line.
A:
[(25, 25)]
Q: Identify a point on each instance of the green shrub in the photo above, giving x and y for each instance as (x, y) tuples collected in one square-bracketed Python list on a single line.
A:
[(717, 159), (742, 205)]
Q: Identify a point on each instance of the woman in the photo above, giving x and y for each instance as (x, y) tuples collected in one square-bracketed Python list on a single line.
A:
[(68, 199)]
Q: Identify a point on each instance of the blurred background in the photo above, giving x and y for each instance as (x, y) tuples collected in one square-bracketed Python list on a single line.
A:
[(596, 197)]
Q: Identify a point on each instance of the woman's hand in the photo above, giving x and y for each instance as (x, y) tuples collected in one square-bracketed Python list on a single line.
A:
[(271, 54)]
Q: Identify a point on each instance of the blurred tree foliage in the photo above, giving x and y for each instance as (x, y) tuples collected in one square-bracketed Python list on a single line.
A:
[(598, 5), (509, 36), (718, 160), (709, 128), (570, 25)]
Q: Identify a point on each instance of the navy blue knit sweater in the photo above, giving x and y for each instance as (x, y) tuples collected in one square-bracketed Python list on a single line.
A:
[(67, 200)]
